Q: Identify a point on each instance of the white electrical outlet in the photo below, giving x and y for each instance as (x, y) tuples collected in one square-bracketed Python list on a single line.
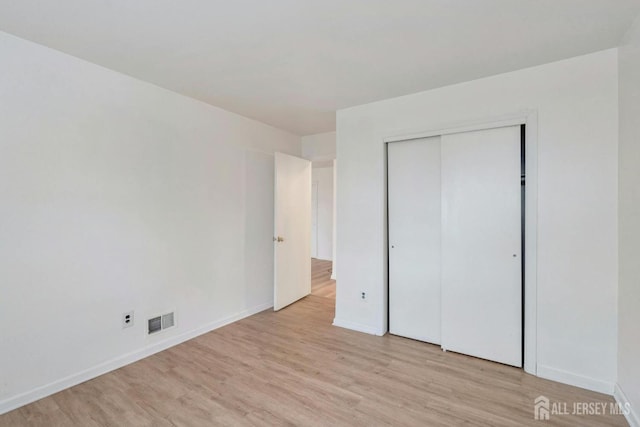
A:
[(127, 319), (363, 296)]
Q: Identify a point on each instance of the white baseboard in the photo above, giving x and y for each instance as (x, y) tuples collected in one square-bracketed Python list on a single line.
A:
[(632, 417), (357, 327), (38, 393), (577, 380)]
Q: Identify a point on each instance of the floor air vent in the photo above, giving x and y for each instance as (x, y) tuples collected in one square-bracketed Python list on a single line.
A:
[(159, 323)]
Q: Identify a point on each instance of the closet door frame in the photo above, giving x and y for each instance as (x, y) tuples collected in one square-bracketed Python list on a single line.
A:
[(530, 120)]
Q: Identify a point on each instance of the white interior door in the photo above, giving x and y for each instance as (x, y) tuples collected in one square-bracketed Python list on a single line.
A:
[(481, 244), (292, 238), (414, 239)]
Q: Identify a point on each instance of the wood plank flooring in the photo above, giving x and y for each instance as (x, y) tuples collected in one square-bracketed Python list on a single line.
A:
[(294, 368), (321, 283)]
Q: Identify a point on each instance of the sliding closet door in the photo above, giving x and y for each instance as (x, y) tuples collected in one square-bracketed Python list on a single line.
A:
[(414, 239), (481, 251)]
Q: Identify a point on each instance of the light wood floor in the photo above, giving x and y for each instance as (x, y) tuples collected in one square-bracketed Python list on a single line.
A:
[(293, 368), (321, 283)]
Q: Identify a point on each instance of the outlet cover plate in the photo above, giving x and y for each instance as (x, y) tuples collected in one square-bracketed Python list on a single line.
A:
[(127, 319)]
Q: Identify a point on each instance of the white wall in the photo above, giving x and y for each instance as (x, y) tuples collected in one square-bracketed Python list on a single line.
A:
[(629, 217), (577, 105), (319, 147), (117, 195), (324, 178)]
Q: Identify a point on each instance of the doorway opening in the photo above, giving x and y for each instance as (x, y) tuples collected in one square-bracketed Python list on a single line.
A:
[(322, 285), (304, 232), (323, 282)]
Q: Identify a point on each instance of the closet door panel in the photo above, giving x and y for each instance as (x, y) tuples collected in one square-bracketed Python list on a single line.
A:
[(481, 244), (414, 239)]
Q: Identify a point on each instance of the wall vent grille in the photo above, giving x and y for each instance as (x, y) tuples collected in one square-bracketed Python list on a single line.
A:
[(160, 323), (155, 325), (167, 320)]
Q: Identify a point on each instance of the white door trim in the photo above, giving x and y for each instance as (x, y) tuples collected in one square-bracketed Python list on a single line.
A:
[(314, 218), (530, 119)]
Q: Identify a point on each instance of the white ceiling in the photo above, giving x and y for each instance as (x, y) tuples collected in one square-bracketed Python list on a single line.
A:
[(293, 63)]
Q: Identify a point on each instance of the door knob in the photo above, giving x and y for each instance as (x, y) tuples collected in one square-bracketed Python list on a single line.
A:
[(278, 239)]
